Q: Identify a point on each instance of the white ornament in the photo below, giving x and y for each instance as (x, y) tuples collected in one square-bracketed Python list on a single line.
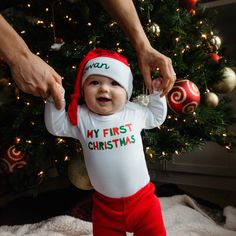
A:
[(142, 100), (216, 41), (57, 44)]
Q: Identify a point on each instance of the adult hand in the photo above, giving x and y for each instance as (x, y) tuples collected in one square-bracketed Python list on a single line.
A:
[(34, 76), (150, 60)]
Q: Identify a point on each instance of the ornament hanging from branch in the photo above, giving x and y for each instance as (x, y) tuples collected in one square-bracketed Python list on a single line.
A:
[(141, 99), (211, 99), (228, 83), (12, 160), (58, 41), (154, 29), (215, 57), (184, 97), (215, 41), (189, 5), (77, 172)]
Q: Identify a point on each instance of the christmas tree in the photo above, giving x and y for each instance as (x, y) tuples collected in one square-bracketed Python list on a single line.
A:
[(62, 32)]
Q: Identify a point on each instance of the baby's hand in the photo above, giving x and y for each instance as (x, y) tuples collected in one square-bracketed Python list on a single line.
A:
[(156, 83)]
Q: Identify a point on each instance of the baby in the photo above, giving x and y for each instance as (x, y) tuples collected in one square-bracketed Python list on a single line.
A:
[(109, 128)]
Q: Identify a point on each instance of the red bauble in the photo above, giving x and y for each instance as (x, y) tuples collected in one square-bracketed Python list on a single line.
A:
[(215, 57), (188, 4), (12, 159), (184, 97)]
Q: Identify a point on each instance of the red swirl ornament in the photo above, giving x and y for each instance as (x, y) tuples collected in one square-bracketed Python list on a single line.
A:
[(12, 159), (184, 97)]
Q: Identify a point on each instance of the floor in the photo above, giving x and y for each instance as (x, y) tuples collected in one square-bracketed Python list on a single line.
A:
[(222, 198)]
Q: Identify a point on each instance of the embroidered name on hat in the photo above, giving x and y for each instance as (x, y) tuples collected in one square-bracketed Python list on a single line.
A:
[(97, 65)]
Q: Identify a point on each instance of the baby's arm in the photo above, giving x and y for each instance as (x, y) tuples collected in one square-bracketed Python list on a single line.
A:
[(157, 105), (56, 121)]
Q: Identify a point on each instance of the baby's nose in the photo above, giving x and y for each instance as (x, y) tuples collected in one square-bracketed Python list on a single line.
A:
[(104, 87)]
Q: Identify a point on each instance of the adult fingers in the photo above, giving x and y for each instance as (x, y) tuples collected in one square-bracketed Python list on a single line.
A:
[(56, 93), (169, 77)]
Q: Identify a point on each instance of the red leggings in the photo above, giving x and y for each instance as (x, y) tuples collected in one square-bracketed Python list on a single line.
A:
[(139, 213)]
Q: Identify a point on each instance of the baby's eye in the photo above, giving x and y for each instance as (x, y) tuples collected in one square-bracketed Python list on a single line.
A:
[(114, 83), (93, 82)]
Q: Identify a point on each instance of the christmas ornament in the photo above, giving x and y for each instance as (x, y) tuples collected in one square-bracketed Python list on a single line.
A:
[(12, 160), (4, 82), (154, 29), (149, 152), (188, 4), (228, 83), (215, 57), (57, 44), (184, 97), (216, 42), (211, 99), (77, 173), (142, 99)]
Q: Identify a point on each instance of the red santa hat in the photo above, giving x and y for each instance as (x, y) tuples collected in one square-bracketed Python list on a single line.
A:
[(100, 62)]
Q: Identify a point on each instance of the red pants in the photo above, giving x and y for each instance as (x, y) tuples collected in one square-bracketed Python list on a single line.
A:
[(139, 213)]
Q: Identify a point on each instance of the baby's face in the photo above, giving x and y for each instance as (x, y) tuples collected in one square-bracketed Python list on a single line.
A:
[(103, 95)]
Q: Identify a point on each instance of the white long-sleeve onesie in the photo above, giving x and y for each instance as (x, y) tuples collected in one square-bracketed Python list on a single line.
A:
[(112, 145)]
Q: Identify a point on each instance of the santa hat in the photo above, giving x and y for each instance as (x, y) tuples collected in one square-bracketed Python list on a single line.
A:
[(100, 62)]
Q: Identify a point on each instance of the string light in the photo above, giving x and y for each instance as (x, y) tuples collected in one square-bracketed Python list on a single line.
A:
[(66, 158), (112, 24), (163, 153), (17, 140), (39, 22), (60, 140), (41, 173)]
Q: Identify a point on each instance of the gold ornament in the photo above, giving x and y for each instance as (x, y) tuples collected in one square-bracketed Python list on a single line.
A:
[(216, 42), (211, 99), (77, 173), (228, 83), (149, 152), (154, 29), (4, 82)]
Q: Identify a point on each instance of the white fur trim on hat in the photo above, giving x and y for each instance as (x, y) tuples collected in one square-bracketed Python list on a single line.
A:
[(111, 68)]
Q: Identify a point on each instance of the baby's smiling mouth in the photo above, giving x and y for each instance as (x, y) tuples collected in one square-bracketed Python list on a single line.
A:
[(103, 99)]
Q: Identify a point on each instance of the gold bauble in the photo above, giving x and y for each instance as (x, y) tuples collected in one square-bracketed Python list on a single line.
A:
[(4, 82), (150, 152), (228, 83), (77, 173), (211, 99), (154, 28), (216, 41)]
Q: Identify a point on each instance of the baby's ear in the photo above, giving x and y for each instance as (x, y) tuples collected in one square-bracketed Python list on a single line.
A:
[(156, 83)]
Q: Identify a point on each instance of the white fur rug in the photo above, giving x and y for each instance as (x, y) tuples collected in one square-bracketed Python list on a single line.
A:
[(182, 217)]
